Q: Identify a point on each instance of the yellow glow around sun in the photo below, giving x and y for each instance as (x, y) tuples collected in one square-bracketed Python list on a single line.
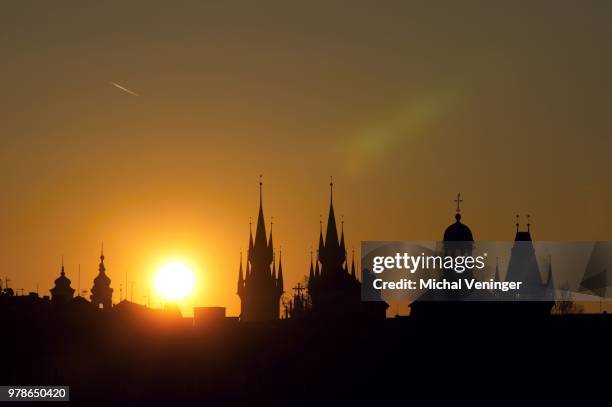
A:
[(174, 281)]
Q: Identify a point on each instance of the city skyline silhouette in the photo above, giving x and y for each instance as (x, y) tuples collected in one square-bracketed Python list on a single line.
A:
[(506, 105), (187, 185)]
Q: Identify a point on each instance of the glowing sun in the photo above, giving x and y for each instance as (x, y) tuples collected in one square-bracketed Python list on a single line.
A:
[(174, 281)]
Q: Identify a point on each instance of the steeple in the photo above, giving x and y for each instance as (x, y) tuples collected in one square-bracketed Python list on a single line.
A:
[(273, 274), (101, 292), (279, 281), (321, 250), (331, 235), (342, 245), (101, 267), (353, 274), (311, 271), (250, 252), (240, 276), (260, 231), (317, 269), (258, 289), (270, 241)]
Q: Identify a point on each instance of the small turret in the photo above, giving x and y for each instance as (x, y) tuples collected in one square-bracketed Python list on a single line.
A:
[(101, 292), (62, 293)]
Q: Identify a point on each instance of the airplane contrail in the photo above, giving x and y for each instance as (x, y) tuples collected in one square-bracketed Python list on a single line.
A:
[(124, 89)]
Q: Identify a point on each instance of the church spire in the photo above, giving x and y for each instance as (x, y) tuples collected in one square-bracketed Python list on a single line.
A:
[(270, 241), (101, 267), (321, 250), (331, 236), (279, 281), (261, 245), (240, 275), (258, 289), (250, 252), (353, 274)]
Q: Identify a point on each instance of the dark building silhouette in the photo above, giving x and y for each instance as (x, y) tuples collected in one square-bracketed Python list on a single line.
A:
[(62, 293), (458, 240), (261, 288), (298, 305), (334, 290), (536, 296), (101, 292)]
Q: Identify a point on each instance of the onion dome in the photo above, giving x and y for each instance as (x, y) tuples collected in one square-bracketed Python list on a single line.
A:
[(458, 232)]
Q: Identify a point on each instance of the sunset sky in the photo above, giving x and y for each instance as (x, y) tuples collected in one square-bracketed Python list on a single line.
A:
[(404, 103)]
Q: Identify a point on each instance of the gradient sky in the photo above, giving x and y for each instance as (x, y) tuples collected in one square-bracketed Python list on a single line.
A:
[(405, 103)]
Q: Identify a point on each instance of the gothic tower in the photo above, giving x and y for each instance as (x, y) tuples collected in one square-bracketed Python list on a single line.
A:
[(333, 288), (102, 293), (523, 267), (261, 288)]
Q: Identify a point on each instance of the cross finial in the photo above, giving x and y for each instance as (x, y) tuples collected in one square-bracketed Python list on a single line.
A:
[(458, 201)]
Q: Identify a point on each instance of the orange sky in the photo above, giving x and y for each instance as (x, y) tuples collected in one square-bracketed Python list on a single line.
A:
[(405, 105)]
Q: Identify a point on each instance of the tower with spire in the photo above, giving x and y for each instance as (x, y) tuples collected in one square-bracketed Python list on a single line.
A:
[(261, 287), (101, 292), (62, 293), (523, 267), (333, 287)]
